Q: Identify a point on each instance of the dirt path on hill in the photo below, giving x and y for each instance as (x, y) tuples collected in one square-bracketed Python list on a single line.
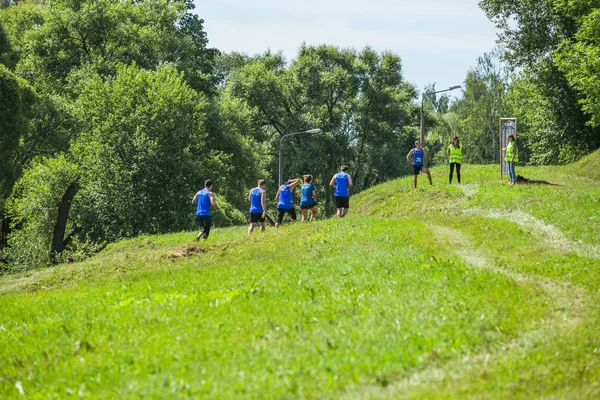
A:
[(566, 310)]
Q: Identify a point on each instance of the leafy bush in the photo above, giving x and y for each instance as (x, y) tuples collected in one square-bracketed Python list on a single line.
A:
[(32, 209)]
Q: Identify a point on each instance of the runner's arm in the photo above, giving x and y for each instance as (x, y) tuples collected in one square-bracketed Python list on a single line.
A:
[(294, 183), (263, 201), (277, 195), (314, 195), (211, 196), (426, 158), (249, 193), (332, 183), (410, 153), (350, 183), (195, 199)]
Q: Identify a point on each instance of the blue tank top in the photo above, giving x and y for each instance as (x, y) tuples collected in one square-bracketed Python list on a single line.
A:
[(342, 182), (285, 197), (203, 208), (307, 199), (418, 157), (255, 203)]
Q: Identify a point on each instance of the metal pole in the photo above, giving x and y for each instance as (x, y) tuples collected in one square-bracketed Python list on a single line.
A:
[(422, 138), (280, 163)]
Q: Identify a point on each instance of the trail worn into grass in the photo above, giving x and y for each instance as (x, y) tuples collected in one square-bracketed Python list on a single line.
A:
[(549, 234), (566, 311)]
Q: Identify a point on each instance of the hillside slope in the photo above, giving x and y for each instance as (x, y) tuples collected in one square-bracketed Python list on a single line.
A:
[(478, 290)]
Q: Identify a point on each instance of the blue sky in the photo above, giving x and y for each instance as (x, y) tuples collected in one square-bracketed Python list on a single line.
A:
[(438, 41)]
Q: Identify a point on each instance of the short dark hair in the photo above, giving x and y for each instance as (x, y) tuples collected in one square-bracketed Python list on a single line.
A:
[(261, 182), (511, 136), (308, 178), (344, 168), (208, 183)]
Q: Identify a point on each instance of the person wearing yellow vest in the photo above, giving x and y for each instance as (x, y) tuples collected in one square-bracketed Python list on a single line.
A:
[(455, 155), (511, 157)]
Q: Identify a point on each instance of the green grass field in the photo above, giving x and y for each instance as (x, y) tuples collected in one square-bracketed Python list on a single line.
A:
[(472, 291)]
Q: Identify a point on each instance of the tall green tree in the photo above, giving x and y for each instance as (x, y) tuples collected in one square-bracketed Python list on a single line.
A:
[(533, 33)]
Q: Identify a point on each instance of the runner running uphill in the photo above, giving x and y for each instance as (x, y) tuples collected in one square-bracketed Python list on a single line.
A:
[(309, 198), (204, 200), (342, 184), (258, 206), (284, 201)]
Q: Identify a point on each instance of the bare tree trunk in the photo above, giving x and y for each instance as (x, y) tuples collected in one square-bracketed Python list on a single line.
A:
[(58, 238)]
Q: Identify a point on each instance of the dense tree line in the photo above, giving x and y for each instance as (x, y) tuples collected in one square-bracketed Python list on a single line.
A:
[(117, 111), (113, 113)]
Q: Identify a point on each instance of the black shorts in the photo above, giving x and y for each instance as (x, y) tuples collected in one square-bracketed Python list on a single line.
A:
[(281, 212), (256, 217), (204, 221), (342, 202), (308, 206), (418, 168)]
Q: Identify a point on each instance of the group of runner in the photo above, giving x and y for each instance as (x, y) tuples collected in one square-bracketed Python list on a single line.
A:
[(340, 182)]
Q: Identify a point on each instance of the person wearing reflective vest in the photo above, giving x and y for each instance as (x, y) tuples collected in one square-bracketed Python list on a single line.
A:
[(455, 156), (511, 157)]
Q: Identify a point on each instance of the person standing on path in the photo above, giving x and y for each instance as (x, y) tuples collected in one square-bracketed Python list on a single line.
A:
[(511, 157), (455, 155), (342, 185), (309, 198), (204, 200), (419, 162), (258, 206), (284, 201)]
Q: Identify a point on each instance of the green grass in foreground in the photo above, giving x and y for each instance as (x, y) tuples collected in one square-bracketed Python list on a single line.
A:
[(480, 291)]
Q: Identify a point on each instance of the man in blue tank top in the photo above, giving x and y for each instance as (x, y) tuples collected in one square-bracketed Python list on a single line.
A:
[(284, 201), (342, 185), (204, 200), (418, 159), (258, 206)]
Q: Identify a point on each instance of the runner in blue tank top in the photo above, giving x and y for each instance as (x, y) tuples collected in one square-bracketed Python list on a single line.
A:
[(204, 200), (309, 198), (284, 201), (418, 159), (342, 185), (258, 206)]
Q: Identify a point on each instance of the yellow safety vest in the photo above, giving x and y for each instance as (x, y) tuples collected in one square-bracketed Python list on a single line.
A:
[(455, 154), (510, 150)]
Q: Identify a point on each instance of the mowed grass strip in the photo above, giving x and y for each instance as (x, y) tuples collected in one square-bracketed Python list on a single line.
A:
[(478, 290), (300, 312)]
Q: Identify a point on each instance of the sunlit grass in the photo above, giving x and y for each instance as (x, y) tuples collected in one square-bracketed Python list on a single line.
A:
[(430, 293)]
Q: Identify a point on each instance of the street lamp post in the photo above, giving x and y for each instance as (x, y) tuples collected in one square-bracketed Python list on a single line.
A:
[(280, 146), (422, 139)]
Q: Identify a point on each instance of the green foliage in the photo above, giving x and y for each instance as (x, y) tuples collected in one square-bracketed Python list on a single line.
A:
[(16, 101), (419, 295), (32, 209), (554, 43), (579, 59), (476, 115), (59, 37), (358, 99), (142, 152)]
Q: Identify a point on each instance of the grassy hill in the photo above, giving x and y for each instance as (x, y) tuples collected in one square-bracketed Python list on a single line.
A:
[(478, 290)]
